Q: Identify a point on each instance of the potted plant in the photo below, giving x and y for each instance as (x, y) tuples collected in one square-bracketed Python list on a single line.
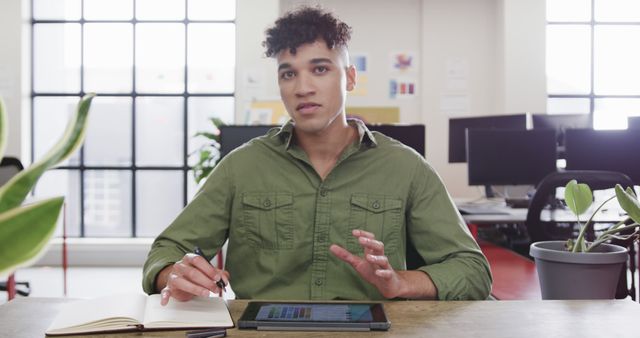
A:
[(577, 269), (208, 154), (25, 230)]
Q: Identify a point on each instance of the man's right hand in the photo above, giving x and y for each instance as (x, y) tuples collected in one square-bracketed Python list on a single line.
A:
[(191, 276)]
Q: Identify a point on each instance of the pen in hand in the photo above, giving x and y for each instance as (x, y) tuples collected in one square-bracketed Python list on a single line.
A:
[(220, 283)]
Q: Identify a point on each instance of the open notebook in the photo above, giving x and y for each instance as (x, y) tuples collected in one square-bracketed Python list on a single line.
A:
[(131, 312)]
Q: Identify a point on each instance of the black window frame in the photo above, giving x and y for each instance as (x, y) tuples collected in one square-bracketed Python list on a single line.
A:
[(81, 168)]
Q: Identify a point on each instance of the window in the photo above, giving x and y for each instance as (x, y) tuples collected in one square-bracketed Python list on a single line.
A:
[(593, 54), (162, 69)]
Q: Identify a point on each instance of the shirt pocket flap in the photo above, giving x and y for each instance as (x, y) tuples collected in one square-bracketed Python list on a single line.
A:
[(376, 205), (267, 201)]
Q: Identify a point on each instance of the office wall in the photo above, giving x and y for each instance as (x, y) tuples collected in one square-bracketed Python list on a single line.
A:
[(14, 67)]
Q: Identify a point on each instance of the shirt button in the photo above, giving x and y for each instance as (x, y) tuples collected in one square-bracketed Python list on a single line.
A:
[(318, 281), (267, 203), (376, 205), (323, 192)]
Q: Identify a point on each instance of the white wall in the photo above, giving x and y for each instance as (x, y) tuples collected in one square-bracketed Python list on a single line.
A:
[(252, 19), (499, 48), (14, 66)]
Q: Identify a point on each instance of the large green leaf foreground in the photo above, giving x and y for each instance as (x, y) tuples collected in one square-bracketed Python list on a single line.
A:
[(25, 230)]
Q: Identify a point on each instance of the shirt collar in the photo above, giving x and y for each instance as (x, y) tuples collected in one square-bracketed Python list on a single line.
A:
[(364, 134)]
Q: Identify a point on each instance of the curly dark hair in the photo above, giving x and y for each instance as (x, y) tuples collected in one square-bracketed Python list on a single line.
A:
[(305, 25)]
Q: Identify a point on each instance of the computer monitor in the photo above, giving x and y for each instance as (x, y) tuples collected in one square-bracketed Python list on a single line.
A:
[(410, 135), (633, 123), (510, 157), (561, 122), (233, 136), (458, 127), (615, 150)]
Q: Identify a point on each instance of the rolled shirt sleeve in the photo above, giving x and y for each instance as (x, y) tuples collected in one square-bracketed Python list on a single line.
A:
[(204, 223), (454, 261)]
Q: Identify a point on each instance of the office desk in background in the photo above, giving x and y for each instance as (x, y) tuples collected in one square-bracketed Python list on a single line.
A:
[(519, 215), (29, 317)]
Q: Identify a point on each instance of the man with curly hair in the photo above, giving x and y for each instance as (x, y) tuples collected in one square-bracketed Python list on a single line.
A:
[(320, 208)]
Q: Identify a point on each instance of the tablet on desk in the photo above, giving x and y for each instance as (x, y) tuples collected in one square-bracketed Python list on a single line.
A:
[(292, 316)]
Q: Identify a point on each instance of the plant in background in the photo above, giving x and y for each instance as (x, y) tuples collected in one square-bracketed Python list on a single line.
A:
[(209, 153), (579, 198), (25, 230)]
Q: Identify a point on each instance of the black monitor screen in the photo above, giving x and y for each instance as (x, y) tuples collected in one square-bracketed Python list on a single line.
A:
[(634, 122), (560, 123), (458, 127), (410, 135), (615, 150), (510, 157), (233, 136)]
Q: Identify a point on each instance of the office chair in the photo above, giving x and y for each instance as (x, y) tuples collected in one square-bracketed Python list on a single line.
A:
[(9, 167), (544, 231)]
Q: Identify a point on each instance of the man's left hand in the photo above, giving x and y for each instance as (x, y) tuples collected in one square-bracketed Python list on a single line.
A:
[(374, 267)]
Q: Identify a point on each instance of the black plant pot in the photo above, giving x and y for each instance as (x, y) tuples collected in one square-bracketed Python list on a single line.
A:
[(584, 275)]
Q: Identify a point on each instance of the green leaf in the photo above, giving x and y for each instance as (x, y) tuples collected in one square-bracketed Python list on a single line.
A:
[(14, 192), (206, 134), (25, 231), (4, 129), (578, 197), (628, 202)]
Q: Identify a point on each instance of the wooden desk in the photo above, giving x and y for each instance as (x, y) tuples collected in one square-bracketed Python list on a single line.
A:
[(29, 317)]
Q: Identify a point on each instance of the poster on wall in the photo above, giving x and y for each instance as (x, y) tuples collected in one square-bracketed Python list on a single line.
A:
[(402, 88), (404, 62), (361, 62)]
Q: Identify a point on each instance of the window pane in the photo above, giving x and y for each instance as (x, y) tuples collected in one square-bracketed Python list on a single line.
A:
[(159, 131), (108, 9), (51, 115), (65, 183), (212, 10), (160, 58), (617, 10), (155, 211), (107, 203), (613, 113), (568, 106), (160, 9), (56, 58), (568, 59), (568, 10), (211, 62), (617, 60), (56, 10), (108, 140), (201, 110), (108, 58)]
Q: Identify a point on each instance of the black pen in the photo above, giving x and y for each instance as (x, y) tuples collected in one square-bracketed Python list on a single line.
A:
[(220, 283)]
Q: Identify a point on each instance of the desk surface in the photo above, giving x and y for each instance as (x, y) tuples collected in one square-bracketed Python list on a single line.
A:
[(29, 317)]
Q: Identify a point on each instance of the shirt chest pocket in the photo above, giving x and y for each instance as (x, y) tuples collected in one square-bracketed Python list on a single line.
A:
[(378, 214), (268, 219)]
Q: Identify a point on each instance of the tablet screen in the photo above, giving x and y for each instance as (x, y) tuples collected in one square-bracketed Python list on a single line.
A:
[(315, 312)]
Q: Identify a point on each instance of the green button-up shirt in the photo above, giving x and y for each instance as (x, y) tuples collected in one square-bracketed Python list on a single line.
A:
[(280, 218)]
